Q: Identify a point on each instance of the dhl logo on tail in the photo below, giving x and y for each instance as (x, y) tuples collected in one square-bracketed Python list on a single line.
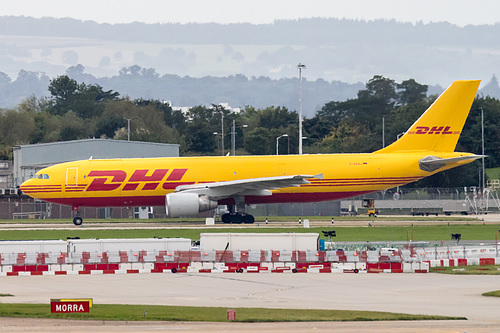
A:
[(433, 130)]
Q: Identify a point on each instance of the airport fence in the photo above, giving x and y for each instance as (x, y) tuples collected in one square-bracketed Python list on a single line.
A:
[(393, 201), (398, 258)]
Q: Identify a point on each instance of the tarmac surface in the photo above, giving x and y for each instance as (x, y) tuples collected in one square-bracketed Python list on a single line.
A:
[(433, 294)]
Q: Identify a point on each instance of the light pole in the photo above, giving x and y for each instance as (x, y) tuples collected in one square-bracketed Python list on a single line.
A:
[(300, 67), (233, 138), (482, 144), (221, 109), (128, 127), (216, 134), (277, 141), (383, 132), (222, 131)]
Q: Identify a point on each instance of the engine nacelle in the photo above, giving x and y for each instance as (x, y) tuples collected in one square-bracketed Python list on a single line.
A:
[(187, 204)]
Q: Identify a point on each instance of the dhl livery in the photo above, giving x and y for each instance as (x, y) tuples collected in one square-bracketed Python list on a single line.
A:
[(190, 185)]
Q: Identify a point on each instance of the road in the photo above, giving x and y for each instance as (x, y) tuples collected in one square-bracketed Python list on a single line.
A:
[(433, 294)]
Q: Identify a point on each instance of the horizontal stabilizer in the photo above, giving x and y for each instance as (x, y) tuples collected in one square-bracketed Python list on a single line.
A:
[(433, 163)]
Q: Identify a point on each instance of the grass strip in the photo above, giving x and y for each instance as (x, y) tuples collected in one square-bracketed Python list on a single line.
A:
[(212, 314), (492, 293), (468, 270), (344, 233)]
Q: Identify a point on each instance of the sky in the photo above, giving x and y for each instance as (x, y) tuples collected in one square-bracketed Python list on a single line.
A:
[(458, 12)]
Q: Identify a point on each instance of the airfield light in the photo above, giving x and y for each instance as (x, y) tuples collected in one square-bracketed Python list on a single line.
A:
[(456, 237), (330, 234)]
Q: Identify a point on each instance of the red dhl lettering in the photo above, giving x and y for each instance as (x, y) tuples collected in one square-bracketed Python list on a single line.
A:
[(109, 180), (141, 176), (101, 182), (433, 130)]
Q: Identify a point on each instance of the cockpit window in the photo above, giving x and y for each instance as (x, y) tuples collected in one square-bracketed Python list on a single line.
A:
[(40, 176), (45, 176)]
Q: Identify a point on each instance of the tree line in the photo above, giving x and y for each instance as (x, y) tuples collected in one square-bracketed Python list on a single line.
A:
[(78, 110)]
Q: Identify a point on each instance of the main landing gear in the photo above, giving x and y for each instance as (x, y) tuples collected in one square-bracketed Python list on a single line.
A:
[(237, 218), (237, 213)]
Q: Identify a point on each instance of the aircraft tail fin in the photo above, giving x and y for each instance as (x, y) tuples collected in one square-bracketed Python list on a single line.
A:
[(439, 128)]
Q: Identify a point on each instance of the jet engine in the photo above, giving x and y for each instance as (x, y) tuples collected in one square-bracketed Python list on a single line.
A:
[(187, 204)]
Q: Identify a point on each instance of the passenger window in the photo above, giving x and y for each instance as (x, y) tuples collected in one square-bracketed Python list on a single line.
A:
[(45, 176)]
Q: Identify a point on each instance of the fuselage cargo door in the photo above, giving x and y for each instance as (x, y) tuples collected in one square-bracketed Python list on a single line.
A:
[(71, 176)]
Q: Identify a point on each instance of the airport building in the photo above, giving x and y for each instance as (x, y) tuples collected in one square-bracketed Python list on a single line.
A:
[(29, 159)]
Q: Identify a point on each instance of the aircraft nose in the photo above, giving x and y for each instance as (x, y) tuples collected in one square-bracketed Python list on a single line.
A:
[(27, 185)]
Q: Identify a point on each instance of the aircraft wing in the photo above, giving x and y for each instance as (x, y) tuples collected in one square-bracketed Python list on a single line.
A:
[(243, 187)]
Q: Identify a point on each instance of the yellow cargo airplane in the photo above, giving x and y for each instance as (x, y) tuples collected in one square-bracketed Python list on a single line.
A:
[(190, 185)]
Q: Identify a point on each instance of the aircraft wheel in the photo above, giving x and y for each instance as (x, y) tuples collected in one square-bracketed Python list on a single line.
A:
[(226, 218), (77, 220), (248, 218), (237, 218)]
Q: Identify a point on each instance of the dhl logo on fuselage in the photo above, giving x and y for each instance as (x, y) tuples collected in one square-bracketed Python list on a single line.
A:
[(433, 130), (109, 180)]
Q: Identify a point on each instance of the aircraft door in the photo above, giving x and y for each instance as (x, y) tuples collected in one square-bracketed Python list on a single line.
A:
[(71, 176)]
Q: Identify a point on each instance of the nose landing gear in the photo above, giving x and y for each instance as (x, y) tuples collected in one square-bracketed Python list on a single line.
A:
[(77, 220)]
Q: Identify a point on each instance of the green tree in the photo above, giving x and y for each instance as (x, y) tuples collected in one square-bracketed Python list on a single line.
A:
[(63, 89), (259, 142), (16, 127), (108, 124), (73, 127), (410, 91), (200, 138), (86, 101)]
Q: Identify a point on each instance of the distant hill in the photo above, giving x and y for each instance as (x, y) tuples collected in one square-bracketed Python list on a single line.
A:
[(242, 64)]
